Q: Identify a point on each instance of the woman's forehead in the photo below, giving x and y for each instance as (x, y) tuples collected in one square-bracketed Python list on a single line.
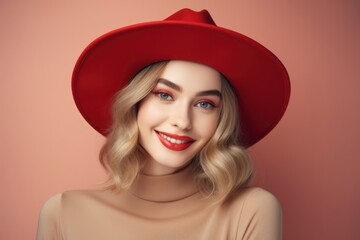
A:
[(192, 75)]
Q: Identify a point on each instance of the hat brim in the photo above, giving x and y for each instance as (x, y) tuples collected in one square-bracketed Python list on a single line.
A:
[(259, 78)]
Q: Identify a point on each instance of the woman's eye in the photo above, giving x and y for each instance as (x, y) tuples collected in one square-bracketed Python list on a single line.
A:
[(205, 105), (164, 96)]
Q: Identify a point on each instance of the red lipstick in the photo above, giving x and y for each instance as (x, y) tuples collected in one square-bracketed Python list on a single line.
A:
[(175, 142)]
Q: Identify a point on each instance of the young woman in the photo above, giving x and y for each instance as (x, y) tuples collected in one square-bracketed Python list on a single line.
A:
[(176, 134)]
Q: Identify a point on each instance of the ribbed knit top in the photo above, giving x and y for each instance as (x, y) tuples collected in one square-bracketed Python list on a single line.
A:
[(159, 207)]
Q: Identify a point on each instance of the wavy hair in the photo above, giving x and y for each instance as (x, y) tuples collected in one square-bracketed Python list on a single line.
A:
[(220, 168)]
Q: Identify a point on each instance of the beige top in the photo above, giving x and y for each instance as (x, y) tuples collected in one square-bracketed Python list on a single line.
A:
[(156, 208)]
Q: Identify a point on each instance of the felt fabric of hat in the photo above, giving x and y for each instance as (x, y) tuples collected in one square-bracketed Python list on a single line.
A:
[(259, 78)]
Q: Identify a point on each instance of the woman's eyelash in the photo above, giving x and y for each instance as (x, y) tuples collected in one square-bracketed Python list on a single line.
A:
[(205, 105), (163, 95)]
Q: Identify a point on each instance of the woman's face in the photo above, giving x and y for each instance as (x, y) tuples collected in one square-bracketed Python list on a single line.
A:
[(179, 116)]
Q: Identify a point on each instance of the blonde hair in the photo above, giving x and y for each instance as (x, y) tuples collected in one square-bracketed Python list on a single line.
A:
[(223, 165), (220, 168)]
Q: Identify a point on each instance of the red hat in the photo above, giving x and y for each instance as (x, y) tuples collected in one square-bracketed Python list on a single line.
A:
[(259, 78)]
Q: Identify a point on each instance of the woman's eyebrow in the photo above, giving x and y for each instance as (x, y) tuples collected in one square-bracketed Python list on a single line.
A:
[(209, 93), (170, 84), (176, 87)]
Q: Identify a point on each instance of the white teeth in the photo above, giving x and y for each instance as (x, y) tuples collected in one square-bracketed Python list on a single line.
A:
[(172, 140)]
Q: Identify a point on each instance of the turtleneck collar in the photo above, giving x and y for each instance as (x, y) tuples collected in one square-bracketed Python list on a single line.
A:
[(165, 188)]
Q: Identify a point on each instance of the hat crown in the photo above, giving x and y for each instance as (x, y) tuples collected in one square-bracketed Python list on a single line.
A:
[(188, 15)]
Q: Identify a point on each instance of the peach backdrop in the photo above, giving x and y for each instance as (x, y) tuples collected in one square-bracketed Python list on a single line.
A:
[(310, 161)]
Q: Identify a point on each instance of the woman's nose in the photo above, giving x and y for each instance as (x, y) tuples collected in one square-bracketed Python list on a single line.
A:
[(182, 118)]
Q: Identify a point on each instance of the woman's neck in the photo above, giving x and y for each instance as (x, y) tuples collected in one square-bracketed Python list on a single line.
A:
[(153, 168), (165, 188)]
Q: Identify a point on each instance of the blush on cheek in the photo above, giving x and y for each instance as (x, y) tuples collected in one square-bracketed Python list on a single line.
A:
[(150, 114)]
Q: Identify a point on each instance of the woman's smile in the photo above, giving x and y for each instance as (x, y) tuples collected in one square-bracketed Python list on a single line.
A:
[(174, 142)]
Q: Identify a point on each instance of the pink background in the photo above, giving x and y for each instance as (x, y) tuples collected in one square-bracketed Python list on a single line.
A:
[(310, 161)]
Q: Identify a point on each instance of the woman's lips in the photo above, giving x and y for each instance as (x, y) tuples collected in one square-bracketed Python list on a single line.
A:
[(174, 142)]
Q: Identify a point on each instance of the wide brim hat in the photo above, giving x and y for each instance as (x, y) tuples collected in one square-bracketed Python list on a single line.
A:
[(259, 79)]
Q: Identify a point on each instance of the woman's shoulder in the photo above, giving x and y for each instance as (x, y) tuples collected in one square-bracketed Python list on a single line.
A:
[(73, 197), (259, 213), (251, 202), (56, 204), (255, 198), (68, 203), (256, 195)]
